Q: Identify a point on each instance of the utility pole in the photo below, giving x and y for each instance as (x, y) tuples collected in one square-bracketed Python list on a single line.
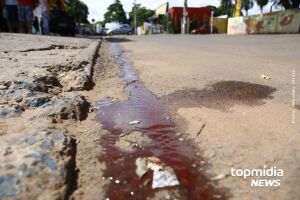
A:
[(184, 26), (227, 8), (238, 7), (134, 18), (135, 6), (211, 22)]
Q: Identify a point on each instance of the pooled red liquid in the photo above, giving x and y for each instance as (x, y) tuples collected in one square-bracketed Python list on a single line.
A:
[(154, 122)]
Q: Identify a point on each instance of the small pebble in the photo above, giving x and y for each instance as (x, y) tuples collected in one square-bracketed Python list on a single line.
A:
[(3, 87), (117, 181), (7, 151), (218, 177), (211, 155), (9, 166), (181, 139), (178, 134), (217, 196), (111, 178), (132, 193)]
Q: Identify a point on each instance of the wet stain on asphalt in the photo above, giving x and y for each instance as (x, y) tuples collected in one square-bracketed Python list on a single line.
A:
[(221, 95), (155, 123)]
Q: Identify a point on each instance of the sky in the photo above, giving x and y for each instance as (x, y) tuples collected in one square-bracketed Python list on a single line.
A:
[(97, 8)]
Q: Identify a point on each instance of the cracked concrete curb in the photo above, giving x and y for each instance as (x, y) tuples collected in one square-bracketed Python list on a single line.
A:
[(90, 54), (80, 78), (43, 94)]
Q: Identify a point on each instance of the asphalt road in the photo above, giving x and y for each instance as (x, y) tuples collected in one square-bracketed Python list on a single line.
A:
[(250, 121)]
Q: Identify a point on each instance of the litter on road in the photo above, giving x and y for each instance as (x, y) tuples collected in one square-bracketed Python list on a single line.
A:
[(134, 122), (219, 177), (265, 77), (163, 175)]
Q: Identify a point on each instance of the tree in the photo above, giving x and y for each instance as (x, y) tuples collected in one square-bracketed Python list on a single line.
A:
[(275, 3), (215, 10), (287, 4), (165, 22), (247, 5), (261, 4), (115, 13), (226, 8), (78, 10), (142, 15)]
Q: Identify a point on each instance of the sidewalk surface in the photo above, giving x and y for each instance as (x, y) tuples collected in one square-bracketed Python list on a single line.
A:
[(39, 80)]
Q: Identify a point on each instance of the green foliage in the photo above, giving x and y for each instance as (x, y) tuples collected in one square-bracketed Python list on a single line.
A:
[(115, 13), (217, 11), (276, 4), (262, 3), (142, 15), (78, 10), (287, 4), (247, 5), (170, 27), (226, 8), (165, 23)]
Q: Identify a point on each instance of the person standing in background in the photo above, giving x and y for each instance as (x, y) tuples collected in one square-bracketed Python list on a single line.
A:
[(25, 12), (3, 27), (11, 12), (45, 16), (36, 26)]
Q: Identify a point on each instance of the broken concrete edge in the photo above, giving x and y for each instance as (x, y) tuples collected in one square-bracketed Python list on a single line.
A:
[(80, 78), (72, 174), (86, 61), (90, 55)]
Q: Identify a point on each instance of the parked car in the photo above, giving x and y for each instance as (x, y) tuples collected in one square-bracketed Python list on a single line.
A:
[(85, 29), (204, 30), (60, 22), (100, 30), (123, 29), (103, 31)]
